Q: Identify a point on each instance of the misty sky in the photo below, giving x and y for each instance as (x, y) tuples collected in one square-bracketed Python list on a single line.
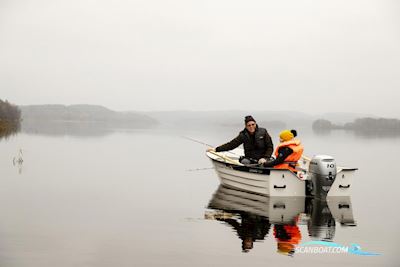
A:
[(323, 56)]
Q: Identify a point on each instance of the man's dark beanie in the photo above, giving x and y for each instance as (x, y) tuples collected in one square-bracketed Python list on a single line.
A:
[(248, 118)]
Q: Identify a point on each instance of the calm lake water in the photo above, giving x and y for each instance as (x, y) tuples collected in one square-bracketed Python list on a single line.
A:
[(136, 198)]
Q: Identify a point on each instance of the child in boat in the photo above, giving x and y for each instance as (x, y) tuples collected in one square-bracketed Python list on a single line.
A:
[(288, 152)]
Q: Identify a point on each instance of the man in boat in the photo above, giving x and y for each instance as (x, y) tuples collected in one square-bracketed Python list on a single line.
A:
[(256, 141), (288, 152)]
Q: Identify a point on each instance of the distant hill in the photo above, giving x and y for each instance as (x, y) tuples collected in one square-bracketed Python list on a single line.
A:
[(266, 124), (179, 119), (85, 113), (362, 126), (233, 119), (343, 117)]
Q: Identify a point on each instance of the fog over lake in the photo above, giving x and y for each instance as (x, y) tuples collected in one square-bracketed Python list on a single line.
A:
[(298, 55)]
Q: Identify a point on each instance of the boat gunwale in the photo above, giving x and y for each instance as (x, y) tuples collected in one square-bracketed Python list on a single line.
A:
[(244, 168)]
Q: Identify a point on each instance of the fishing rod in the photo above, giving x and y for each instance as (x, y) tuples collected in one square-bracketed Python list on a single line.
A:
[(200, 169), (197, 141), (200, 142), (233, 153)]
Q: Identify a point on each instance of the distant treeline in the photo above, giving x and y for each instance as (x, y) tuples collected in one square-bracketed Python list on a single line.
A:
[(266, 124), (39, 115), (10, 116), (362, 124)]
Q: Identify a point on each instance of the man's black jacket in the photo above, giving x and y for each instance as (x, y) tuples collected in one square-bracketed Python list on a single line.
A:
[(256, 146)]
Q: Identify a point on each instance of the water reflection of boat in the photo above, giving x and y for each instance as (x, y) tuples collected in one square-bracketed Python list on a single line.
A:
[(323, 215), (249, 227), (277, 209), (318, 176), (251, 216)]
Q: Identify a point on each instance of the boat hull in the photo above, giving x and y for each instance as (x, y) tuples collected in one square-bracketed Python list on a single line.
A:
[(265, 181), (280, 182)]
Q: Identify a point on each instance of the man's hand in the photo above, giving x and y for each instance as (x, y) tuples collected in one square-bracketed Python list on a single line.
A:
[(210, 149), (262, 161)]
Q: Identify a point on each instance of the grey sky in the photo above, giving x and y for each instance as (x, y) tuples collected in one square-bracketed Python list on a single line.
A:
[(339, 55)]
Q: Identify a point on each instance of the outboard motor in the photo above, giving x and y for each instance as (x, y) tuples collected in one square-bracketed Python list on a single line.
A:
[(322, 171)]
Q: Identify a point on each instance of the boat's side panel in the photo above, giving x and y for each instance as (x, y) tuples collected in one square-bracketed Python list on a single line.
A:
[(242, 180), (285, 183), (276, 183), (342, 184)]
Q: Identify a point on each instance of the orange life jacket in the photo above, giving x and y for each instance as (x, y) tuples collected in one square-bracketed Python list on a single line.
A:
[(291, 160), (293, 234), (287, 237)]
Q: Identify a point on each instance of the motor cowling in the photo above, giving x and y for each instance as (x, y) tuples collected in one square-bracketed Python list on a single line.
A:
[(323, 165), (322, 170)]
